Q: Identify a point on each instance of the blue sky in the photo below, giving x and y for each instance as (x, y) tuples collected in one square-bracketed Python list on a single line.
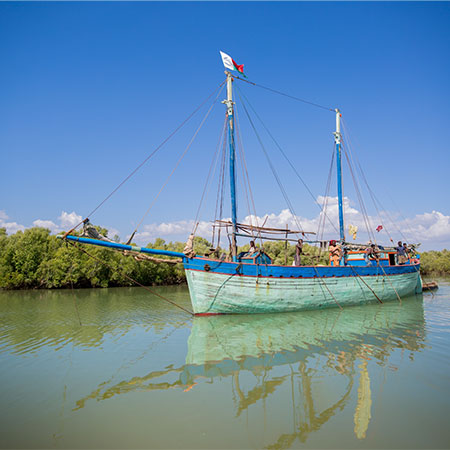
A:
[(88, 90)]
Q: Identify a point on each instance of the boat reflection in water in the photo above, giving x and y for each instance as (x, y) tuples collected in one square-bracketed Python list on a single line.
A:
[(322, 357)]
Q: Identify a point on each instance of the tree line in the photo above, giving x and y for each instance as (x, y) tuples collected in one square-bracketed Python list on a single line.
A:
[(34, 258)]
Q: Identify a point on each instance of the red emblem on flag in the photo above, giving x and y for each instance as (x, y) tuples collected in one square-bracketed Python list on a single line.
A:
[(379, 228)]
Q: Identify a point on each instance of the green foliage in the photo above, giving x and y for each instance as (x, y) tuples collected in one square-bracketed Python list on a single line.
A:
[(435, 263), (35, 259)]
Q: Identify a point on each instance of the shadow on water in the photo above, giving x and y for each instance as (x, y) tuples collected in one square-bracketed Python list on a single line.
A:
[(305, 345)]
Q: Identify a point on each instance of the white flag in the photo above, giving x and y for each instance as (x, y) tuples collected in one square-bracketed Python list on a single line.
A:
[(229, 63)]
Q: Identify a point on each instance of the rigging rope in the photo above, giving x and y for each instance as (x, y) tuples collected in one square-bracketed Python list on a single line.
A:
[(287, 159), (220, 193), (363, 176), (244, 168), (149, 156), (321, 226), (390, 282), (360, 199), (245, 181), (407, 222), (372, 194), (280, 185), (285, 95), (129, 278), (213, 163), (175, 168)]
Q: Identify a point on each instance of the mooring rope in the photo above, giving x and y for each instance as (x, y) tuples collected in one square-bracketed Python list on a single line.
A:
[(320, 279), (131, 279), (390, 282), (73, 293), (359, 276)]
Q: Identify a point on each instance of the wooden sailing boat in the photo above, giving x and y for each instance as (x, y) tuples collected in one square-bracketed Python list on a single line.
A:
[(252, 284)]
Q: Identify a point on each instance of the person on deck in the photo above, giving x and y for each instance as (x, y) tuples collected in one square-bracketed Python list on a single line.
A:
[(401, 253), (335, 253), (91, 232), (298, 253), (407, 251), (372, 254), (252, 250)]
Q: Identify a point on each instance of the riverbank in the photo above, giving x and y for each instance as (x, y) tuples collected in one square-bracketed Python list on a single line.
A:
[(35, 259)]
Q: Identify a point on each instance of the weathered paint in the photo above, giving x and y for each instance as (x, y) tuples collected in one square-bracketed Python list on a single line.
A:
[(246, 288)]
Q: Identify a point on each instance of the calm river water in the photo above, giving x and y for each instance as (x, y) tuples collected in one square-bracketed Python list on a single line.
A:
[(138, 373)]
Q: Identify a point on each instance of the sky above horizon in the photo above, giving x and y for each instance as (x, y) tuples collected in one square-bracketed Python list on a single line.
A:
[(89, 90)]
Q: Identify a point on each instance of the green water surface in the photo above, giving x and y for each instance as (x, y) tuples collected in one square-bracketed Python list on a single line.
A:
[(138, 373)]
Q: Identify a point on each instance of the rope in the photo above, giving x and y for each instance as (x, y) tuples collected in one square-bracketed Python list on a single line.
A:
[(213, 163), (320, 279), (148, 157), (291, 208), (143, 257), (287, 159), (218, 290), (244, 169), (360, 199), (363, 176), (220, 194), (390, 282), (321, 226), (374, 198), (73, 292), (131, 279), (245, 179), (175, 168), (362, 279), (285, 95)]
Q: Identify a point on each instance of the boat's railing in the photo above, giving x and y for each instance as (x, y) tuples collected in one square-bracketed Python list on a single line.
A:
[(118, 246)]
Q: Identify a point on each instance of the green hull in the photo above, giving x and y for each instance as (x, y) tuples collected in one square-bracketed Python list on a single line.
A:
[(216, 293)]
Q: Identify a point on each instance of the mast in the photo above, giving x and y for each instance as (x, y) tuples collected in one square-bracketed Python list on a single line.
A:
[(337, 140), (230, 115)]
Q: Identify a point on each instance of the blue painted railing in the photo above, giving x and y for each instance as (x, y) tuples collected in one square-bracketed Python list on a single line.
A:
[(117, 246)]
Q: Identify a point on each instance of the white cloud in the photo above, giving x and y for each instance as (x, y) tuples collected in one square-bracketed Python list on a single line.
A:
[(47, 224), (431, 229), (65, 221), (429, 226), (69, 220), (11, 227), (179, 230)]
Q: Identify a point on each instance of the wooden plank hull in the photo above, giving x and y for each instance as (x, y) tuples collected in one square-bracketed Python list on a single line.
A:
[(231, 292)]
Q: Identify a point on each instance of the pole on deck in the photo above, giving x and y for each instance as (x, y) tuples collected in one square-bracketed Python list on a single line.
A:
[(230, 115), (286, 246), (337, 141)]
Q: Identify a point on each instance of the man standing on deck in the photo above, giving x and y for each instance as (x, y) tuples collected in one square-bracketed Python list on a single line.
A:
[(335, 253), (298, 253), (401, 253), (372, 254)]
